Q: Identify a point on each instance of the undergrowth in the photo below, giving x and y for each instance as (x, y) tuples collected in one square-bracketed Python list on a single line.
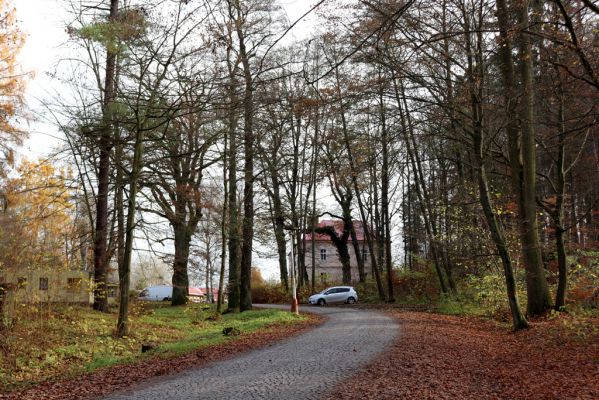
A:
[(49, 342)]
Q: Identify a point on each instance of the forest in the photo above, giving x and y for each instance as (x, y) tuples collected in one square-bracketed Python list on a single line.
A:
[(462, 134)]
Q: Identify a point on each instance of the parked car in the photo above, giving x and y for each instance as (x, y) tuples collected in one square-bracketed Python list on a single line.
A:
[(157, 293), (336, 294)]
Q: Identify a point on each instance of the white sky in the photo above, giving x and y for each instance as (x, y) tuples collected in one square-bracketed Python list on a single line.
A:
[(44, 23)]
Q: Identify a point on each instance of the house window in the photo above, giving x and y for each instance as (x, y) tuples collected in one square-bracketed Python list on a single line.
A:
[(111, 291), (21, 282), (73, 284), (364, 254), (323, 254), (323, 277), (43, 283)]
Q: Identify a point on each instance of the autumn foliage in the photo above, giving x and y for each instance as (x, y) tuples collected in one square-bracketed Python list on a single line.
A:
[(39, 221), (12, 82)]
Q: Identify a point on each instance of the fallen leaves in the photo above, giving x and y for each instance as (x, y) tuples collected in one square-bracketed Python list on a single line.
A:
[(448, 357)]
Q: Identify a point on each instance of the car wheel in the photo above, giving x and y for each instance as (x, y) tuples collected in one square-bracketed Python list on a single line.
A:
[(351, 300), (321, 302)]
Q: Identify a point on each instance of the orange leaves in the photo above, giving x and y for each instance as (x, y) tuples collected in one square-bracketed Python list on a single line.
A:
[(448, 357), (39, 217), (306, 104), (11, 78), (256, 278), (40, 186)]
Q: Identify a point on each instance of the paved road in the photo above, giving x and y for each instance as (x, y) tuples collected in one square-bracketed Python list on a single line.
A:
[(302, 367)]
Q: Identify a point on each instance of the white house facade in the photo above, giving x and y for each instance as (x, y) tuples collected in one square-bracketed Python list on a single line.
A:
[(327, 265)]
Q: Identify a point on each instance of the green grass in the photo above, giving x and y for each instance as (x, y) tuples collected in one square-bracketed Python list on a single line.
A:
[(459, 306), (54, 342)]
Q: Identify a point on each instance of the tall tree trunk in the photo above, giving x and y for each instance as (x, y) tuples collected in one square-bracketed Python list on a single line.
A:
[(121, 240), (302, 270), (294, 200), (279, 225), (343, 250), (522, 159), (558, 214), (358, 253), (536, 282), (208, 276), (125, 271), (446, 229), (405, 215), (232, 211), (518, 320), (385, 199), (223, 231), (409, 234), (475, 84), (245, 290), (345, 264), (105, 146), (180, 278), (377, 224)]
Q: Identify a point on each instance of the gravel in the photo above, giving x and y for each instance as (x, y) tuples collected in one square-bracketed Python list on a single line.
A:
[(302, 367)]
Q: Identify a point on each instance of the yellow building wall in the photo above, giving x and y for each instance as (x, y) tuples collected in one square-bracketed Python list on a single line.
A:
[(58, 289)]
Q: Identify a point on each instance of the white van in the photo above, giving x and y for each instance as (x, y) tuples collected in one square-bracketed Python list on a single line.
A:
[(157, 293)]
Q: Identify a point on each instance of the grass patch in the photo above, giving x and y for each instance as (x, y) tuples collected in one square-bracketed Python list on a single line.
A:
[(458, 306), (59, 341)]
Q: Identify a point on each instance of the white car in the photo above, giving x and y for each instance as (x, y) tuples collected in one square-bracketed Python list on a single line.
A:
[(336, 294), (157, 293)]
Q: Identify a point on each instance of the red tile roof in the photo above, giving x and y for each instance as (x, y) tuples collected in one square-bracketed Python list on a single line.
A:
[(195, 291), (338, 225)]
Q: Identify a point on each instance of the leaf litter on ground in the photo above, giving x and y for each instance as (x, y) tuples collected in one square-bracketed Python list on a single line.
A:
[(450, 357)]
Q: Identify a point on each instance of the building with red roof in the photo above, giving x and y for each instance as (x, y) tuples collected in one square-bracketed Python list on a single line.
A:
[(327, 264), (201, 295)]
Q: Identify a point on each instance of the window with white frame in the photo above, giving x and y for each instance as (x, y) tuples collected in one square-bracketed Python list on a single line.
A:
[(323, 254), (364, 254)]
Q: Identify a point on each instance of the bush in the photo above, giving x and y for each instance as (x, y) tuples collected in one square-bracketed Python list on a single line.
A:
[(367, 292), (583, 274), (489, 290), (416, 286), (270, 293)]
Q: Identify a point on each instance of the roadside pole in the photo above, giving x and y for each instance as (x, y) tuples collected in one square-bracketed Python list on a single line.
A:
[(294, 302)]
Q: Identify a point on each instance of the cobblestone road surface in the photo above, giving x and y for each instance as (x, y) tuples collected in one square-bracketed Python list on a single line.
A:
[(302, 367)]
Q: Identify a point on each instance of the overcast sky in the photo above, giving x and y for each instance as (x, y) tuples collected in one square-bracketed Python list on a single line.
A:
[(44, 21)]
